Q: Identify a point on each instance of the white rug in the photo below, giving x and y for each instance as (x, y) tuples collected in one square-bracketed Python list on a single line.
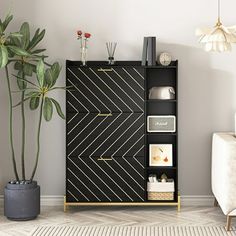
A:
[(132, 231)]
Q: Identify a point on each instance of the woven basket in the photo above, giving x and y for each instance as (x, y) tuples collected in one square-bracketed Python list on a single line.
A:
[(160, 196)]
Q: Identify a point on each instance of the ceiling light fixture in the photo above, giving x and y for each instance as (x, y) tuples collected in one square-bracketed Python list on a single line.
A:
[(219, 38)]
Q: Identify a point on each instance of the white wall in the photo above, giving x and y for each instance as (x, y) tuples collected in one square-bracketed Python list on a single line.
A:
[(207, 82)]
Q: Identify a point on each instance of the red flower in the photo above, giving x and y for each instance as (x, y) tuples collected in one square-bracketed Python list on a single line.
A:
[(79, 32), (87, 35)]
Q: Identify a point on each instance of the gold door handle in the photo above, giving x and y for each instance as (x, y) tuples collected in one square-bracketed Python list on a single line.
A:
[(104, 70), (104, 159), (103, 114)]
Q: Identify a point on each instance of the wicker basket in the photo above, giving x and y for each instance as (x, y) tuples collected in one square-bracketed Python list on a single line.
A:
[(162, 196)]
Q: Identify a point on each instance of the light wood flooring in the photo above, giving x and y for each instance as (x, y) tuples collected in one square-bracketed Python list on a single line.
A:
[(108, 216)]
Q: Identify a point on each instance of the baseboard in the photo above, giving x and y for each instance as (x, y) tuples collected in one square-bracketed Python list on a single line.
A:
[(46, 200), (197, 200), (52, 200), (186, 200)]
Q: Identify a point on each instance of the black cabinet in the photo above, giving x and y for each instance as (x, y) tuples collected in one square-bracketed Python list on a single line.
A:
[(107, 143), (105, 133)]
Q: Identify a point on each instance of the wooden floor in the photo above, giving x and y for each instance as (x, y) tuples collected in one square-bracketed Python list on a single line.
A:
[(108, 216)]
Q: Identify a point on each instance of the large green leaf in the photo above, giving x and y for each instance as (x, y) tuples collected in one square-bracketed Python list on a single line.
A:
[(29, 69), (1, 27), (18, 66), (3, 56), (38, 36), (25, 31), (37, 51), (33, 40), (18, 51), (41, 57), (33, 94), (47, 109), (15, 41), (48, 77), (58, 108), (15, 35), (56, 69), (40, 73), (6, 22), (10, 53), (34, 102), (20, 80)]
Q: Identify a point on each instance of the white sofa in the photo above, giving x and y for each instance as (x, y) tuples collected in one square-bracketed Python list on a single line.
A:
[(223, 173)]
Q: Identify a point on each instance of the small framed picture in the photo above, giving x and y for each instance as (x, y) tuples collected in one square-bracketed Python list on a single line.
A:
[(160, 155)]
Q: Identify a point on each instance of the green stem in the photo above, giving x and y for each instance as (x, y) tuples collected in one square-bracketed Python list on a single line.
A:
[(23, 135), (38, 139), (10, 124), (23, 123)]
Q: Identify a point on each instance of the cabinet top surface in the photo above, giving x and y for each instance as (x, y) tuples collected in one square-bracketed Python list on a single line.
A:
[(117, 64)]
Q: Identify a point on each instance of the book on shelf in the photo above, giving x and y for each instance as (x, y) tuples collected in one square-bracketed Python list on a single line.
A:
[(144, 55), (151, 51)]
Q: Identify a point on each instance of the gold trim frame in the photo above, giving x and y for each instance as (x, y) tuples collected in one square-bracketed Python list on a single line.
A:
[(177, 204)]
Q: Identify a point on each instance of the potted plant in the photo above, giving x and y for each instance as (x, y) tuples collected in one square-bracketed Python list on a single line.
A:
[(22, 195)]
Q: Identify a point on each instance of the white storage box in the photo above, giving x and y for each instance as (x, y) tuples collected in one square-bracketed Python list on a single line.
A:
[(159, 191), (161, 187)]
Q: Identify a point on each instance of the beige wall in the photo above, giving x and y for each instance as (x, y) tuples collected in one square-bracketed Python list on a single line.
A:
[(207, 82)]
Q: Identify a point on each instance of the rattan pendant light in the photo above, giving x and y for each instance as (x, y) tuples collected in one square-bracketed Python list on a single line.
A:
[(219, 38)]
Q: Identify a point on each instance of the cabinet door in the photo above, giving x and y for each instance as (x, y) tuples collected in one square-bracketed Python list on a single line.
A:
[(114, 89), (118, 179), (119, 134)]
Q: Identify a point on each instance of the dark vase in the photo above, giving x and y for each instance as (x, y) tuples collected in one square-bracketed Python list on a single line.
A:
[(22, 201)]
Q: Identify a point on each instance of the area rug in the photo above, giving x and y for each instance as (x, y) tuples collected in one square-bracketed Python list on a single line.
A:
[(132, 231)]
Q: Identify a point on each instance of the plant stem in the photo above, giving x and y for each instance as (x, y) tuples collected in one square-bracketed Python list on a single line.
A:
[(23, 124), (38, 138), (10, 124), (23, 135)]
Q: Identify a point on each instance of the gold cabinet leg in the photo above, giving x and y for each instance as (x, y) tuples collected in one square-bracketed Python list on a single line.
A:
[(215, 203), (65, 207), (228, 224), (178, 207)]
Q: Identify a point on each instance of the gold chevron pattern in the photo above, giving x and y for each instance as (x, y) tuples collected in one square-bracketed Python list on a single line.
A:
[(120, 90), (105, 155)]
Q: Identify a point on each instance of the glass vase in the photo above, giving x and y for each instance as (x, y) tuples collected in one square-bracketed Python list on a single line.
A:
[(84, 56)]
